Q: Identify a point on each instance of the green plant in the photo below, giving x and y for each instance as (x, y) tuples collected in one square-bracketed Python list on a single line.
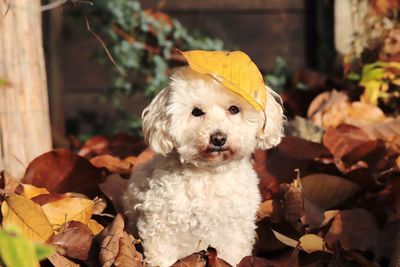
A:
[(143, 44), (18, 251)]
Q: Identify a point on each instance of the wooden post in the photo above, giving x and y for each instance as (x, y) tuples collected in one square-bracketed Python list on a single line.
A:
[(24, 112)]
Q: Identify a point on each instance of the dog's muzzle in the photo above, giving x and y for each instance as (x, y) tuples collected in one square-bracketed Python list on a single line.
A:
[(218, 140)]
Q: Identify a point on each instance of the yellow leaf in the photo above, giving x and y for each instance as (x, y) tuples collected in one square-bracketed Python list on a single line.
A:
[(95, 226), (312, 243), (27, 216), (31, 191), (234, 70), (69, 209), (371, 91), (285, 239)]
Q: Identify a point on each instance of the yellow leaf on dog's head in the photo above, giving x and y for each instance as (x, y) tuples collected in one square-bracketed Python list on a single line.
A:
[(234, 70)]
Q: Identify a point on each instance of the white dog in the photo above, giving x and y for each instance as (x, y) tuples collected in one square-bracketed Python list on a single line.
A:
[(200, 189)]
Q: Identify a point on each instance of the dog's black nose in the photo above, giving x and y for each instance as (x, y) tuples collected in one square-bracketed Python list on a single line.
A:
[(218, 139)]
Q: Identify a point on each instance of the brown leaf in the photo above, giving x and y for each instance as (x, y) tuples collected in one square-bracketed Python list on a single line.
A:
[(143, 157), (213, 260), (114, 187), (61, 171), (75, 239), (99, 205), (268, 183), (113, 164), (60, 261), (109, 241), (353, 229), (96, 145), (343, 139), (328, 109), (292, 153), (31, 191), (198, 259), (46, 198), (327, 191), (127, 254), (284, 260), (293, 203)]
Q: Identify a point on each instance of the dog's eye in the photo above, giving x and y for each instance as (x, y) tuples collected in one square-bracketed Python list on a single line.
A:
[(197, 112), (233, 110)]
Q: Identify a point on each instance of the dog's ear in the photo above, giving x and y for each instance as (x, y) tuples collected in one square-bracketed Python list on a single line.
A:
[(156, 124), (272, 132)]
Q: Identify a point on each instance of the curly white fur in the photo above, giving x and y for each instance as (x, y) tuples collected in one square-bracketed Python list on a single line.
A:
[(190, 196)]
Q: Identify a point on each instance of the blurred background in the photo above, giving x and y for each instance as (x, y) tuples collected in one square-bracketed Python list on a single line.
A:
[(302, 47), (88, 94)]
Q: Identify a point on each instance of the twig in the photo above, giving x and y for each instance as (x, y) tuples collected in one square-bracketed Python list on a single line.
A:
[(8, 8), (53, 5), (120, 70), (58, 3)]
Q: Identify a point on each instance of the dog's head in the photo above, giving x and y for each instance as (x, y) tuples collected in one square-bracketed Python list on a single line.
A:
[(207, 123)]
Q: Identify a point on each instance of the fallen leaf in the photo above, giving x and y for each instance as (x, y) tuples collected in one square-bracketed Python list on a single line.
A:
[(387, 130), (285, 239), (292, 153), (46, 198), (327, 191), (269, 185), (69, 209), (343, 139), (293, 203), (113, 164), (311, 243), (234, 70), (328, 109), (329, 215), (114, 187), (284, 260), (143, 157), (198, 259), (31, 191), (99, 205), (360, 113), (95, 145), (75, 239), (213, 260), (61, 171), (60, 261), (266, 209), (127, 254), (95, 227), (27, 216), (109, 241), (353, 229)]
